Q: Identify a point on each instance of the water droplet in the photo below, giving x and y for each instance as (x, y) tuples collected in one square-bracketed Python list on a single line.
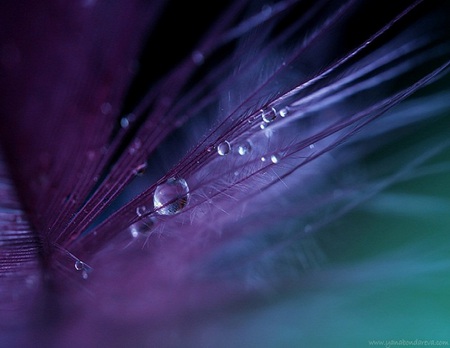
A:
[(224, 148), (198, 57), (171, 197), (268, 115), (262, 126), (210, 148), (140, 169), (141, 210), (124, 122), (263, 159), (142, 227), (312, 146), (244, 148), (283, 112), (136, 145), (91, 155), (79, 265), (106, 108), (274, 159)]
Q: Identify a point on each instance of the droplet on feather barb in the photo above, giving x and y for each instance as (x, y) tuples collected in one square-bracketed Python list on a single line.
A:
[(142, 227), (171, 197), (224, 148), (244, 148), (268, 115), (141, 210)]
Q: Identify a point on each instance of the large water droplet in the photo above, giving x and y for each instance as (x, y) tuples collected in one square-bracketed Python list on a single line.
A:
[(171, 197), (268, 115), (224, 148)]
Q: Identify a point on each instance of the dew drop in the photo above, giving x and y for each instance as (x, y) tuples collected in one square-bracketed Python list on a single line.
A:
[(198, 57), (91, 155), (136, 145), (312, 146), (79, 265), (142, 227), (124, 122), (268, 115), (140, 169), (244, 148), (106, 108), (210, 148), (274, 159), (141, 210), (171, 197), (263, 159), (224, 148), (283, 112)]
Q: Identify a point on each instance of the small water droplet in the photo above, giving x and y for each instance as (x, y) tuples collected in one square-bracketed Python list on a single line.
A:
[(106, 108), (262, 126), (91, 155), (224, 148), (263, 159), (268, 115), (79, 265), (283, 112), (198, 57), (171, 197), (136, 145), (210, 148), (141, 210), (140, 169), (312, 146), (142, 227), (274, 159), (124, 122), (244, 148)]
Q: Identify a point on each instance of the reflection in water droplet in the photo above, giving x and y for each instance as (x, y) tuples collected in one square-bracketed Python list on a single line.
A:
[(171, 197), (224, 148)]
